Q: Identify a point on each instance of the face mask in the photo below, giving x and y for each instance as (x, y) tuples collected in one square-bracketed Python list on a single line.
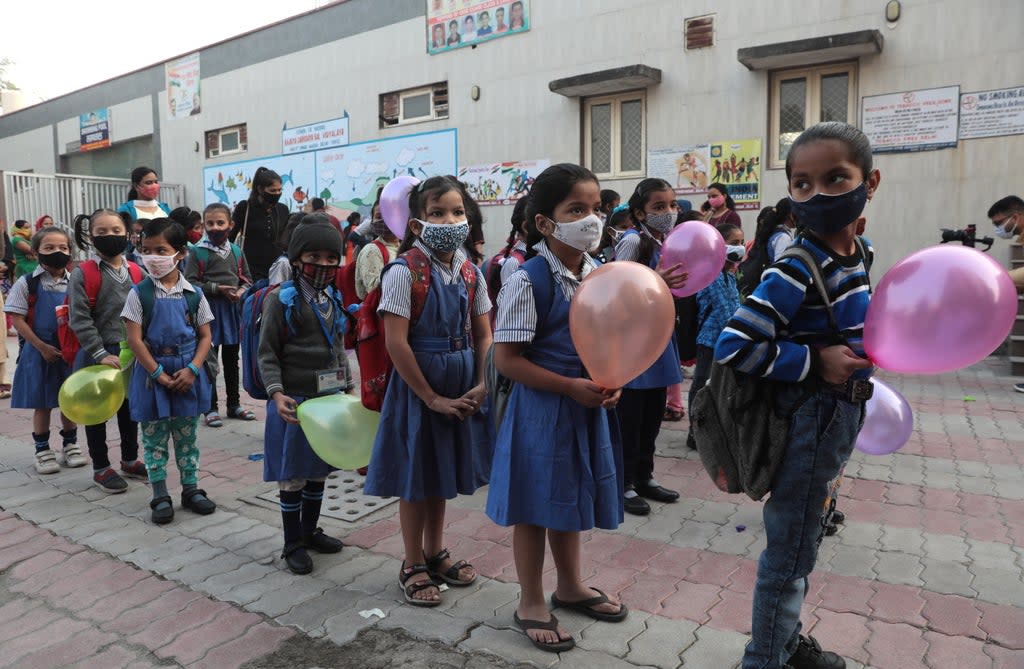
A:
[(444, 238), (661, 223), (378, 228), (270, 198), (160, 266), (217, 237), (1003, 233), (55, 260), (194, 236), (716, 202), (582, 235), (110, 245), (319, 276), (828, 214), (735, 252), (148, 192)]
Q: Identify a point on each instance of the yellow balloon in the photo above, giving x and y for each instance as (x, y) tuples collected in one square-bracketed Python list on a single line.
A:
[(340, 429), (92, 395), (127, 359)]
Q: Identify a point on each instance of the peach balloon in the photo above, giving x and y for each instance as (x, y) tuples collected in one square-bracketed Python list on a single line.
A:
[(620, 320)]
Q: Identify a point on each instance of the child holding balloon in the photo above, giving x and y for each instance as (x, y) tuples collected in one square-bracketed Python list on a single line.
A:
[(167, 321), (302, 355), (41, 371), (94, 310), (654, 209), (557, 469), (433, 442), (783, 333)]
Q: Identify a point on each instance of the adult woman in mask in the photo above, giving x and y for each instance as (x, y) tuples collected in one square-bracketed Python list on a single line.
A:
[(259, 223), (144, 196), (722, 210)]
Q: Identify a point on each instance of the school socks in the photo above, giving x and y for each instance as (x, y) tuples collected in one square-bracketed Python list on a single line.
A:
[(68, 436), (312, 536), (160, 490), (42, 441), (294, 553)]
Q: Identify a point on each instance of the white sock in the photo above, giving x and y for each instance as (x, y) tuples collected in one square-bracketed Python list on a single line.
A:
[(652, 484), (630, 493)]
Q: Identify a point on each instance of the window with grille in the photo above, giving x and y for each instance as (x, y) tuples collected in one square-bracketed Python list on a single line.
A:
[(614, 132), (225, 141), (414, 105), (801, 98)]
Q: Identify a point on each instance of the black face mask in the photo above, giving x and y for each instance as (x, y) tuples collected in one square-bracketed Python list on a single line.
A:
[(270, 198), (55, 260), (110, 245)]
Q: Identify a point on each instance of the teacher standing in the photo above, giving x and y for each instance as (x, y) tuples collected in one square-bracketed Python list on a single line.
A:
[(260, 221)]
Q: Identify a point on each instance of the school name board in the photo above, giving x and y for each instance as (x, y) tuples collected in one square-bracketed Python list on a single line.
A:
[(923, 120), (94, 130), (315, 136), (992, 113)]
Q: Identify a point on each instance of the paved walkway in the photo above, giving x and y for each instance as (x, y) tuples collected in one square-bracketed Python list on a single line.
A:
[(926, 573)]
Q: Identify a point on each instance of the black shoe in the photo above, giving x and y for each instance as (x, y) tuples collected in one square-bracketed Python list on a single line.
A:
[(163, 515), (297, 559), (196, 500), (809, 655), (657, 493), (838, 517), (637, 506), (322, 543), (831, 529)]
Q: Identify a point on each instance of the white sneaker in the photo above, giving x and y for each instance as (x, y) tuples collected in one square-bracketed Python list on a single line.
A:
[(46, 462), (72, 456)]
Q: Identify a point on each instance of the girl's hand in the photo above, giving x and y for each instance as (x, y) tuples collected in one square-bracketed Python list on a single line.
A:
[(611, 398), (166, 381), (51, 354), (587, 393), (674, 276), (111, 361), (838, 363), (227, 292), (240, 291), (183, 380), (286, 408), (457, 408), (476, 396)]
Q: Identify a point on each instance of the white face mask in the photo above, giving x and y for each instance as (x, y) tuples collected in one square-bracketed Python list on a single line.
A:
[(735, 252), (159, 266), (1002, 233), (582, 235)]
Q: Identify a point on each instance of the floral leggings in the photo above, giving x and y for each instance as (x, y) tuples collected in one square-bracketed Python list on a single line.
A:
[(157, 434)]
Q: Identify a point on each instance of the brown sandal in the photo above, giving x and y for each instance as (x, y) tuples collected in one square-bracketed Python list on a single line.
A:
[(451, 574), (412, 588)]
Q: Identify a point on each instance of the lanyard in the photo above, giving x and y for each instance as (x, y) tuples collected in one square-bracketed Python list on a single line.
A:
[(328, 333)]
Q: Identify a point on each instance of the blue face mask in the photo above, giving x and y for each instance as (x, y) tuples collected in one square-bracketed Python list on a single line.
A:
[(828, 214)]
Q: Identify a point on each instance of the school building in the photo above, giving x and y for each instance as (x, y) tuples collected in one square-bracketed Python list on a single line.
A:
[(342, 98)]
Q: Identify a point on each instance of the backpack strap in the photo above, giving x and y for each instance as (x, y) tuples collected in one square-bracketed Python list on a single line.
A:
[(236, 251), (202, 255), (135, 272), (419, 264), (92, 279), (288, 296), (383, 251), (810, 262), (147, 297), (539, 271), (32, 282)]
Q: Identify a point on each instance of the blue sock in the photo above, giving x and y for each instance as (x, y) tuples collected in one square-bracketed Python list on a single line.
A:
[(159, 489), (42, 441)]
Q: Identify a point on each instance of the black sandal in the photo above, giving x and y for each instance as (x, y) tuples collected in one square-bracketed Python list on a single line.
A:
[(552, 625), (196, 500), (451, 574), (586, 607), (162, 516), (412, 588)]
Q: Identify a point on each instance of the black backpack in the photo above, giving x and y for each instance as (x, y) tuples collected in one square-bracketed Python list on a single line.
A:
[(748, 274), (740, 438)]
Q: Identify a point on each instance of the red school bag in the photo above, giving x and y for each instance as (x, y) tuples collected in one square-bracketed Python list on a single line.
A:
[(371, 350), (92, 277), (345, 281)]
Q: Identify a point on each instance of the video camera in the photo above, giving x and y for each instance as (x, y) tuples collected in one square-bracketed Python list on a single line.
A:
[(967, 237)]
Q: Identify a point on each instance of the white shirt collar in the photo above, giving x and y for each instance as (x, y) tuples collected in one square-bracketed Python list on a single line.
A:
[(559, 268), (457, 259)]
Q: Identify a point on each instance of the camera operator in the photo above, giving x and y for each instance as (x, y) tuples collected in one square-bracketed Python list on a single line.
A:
[(1007, 215)]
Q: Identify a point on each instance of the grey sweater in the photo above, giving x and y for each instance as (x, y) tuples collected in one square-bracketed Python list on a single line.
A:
[(99, 328), (219, 272), (289, 363)]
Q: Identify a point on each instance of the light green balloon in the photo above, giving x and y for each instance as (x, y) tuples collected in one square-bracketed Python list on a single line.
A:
[(340, 429), (92, 395)]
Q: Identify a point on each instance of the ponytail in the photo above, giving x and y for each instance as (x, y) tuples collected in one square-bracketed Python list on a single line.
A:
[(82, 235)]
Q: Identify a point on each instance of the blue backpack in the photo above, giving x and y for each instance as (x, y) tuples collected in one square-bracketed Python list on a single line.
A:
[(252, 325)]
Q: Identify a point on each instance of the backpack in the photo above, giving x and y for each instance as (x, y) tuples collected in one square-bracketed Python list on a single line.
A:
[(499, 388), (202, 255), (740, 438), (371, 349), (251, 327), (687, 328), (492, 275), (92, 278), (748, 274), (345, 281), (147, 297)]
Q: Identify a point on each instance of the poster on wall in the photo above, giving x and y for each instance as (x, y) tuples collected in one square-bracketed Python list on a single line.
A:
[(992, 113), (315, 136), (182, 82), (685, 167), (230, 183), (94, 130), (348, 178), (501, 183), (923, 120), (737, 164), (456, 23)]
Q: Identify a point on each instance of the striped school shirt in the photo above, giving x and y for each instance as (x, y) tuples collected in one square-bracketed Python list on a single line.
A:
[(772, 332), (396, 283)]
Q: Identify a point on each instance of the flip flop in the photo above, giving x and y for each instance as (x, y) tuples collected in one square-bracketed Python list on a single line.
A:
[(552, 625), (241, 414), (586, 607), (213, 420)]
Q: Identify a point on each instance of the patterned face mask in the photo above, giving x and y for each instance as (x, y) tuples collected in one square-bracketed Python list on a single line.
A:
[(319, 276), (444, 238), (662, 223)]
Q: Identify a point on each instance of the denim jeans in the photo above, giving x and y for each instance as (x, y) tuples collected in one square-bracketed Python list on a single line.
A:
[(822, 433)]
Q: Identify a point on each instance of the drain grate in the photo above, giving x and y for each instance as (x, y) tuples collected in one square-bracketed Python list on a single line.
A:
[(343, 497)]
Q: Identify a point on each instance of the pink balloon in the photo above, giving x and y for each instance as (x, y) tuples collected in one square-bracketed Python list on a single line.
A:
[(620, 321), (394, 203), (888, 421), (700, 249), (938, 310)]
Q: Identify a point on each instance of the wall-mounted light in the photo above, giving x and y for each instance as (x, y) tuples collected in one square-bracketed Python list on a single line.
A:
[(892, 11), (474, 93)]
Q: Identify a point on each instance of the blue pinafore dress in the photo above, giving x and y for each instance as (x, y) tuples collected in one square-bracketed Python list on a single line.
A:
[(37, 382), (557, 464), (227, 321), (171, 339), (419, 454), (287, 454), (666, 370)]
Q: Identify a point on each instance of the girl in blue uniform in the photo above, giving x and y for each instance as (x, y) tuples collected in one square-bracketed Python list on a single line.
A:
[(557, 469), (31, 303), (167, 321), (654, 210), (433, 443)]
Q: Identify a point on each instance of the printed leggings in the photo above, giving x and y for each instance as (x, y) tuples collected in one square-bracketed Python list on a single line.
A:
[(156, 436)]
